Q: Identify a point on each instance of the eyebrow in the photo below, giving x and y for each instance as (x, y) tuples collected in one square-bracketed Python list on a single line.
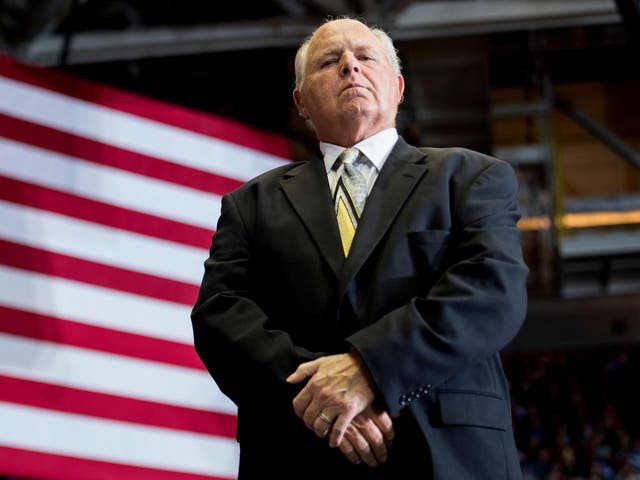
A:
[(329, 52), (337, 51)]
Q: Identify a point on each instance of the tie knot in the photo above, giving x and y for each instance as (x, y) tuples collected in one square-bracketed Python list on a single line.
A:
[(349, 156)]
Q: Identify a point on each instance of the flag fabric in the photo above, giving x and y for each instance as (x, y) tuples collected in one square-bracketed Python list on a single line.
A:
[(108, 201)]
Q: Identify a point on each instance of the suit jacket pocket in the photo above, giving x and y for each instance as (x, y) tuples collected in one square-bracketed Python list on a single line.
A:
[(473, 409)]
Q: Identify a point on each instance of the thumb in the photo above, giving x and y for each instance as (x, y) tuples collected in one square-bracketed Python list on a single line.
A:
[(304, 370)]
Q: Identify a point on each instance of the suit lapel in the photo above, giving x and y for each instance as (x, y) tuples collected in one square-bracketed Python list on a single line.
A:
[(307, 189), (399, 175)]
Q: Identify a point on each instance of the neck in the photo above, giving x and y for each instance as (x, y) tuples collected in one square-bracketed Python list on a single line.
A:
[(348, 137)]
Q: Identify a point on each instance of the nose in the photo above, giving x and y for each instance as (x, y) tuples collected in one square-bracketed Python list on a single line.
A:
[(349, 64)]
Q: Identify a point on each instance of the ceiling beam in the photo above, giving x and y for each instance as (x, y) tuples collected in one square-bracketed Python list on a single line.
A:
[(418, 20), (107, 46), (469, 17)]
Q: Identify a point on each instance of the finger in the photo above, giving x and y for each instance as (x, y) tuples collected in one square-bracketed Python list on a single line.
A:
[(301, 402), (361, 446), (372, 434), (322, 425), (385, 424), (303, 371), (316, 411), (305, 396), (312, 412), (340, 427), (318, 400), (347, 449), (306, 405)]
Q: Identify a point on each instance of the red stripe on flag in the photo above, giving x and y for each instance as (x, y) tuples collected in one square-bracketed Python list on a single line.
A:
[(199, 122), (104, 154), (15, 461), (45, 198), (72, 268), (53, 329), (84, 402)]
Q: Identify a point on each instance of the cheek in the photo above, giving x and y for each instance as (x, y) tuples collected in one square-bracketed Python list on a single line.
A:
[(386, 92), (393, 92), (319, 90)]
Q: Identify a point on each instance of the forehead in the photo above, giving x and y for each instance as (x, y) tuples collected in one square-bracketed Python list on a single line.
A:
[(338, 34)]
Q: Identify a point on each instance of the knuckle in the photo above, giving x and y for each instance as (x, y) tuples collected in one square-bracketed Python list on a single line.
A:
[(324, 394), (350, 405), (376, 446), (311, 383)]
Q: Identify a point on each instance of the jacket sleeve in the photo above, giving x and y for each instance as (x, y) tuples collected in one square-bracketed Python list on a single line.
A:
[(473, 309), (231, 333)]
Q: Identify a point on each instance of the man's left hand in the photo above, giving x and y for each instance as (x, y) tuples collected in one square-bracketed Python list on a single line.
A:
[(339, 388)]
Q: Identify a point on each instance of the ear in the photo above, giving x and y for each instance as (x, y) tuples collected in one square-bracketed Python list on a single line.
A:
[(400, 83), (297, 99)]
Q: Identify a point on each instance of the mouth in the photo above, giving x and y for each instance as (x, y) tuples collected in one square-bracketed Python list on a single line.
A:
[(353, 86)]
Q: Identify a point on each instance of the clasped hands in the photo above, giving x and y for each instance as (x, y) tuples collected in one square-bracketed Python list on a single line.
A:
[(337, 402)]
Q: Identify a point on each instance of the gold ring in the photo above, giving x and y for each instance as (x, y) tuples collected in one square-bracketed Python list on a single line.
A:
[(324, 418)]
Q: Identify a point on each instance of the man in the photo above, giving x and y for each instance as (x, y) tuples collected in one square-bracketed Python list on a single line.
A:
[(362, 342)]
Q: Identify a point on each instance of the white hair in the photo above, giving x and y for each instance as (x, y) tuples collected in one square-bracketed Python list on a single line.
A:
[(387, 44)]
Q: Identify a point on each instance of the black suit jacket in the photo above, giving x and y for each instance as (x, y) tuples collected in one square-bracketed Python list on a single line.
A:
[(433, 288)]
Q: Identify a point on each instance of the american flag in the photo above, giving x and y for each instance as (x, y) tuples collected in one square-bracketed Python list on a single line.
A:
[(107, 205)]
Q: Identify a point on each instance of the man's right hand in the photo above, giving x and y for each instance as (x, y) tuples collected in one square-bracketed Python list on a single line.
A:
[(368, 437)]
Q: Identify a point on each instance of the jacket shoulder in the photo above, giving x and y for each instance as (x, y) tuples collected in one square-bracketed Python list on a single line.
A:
[(270, 177), (459, 155), (461, 162)]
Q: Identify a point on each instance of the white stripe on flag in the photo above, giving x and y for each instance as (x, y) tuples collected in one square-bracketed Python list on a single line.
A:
[(119, 442), (109, 185), (91, 241), (131, 132), (93, 305), (86, 369)]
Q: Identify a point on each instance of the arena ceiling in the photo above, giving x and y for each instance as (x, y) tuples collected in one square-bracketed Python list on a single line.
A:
[(91, 31), (234, 58)]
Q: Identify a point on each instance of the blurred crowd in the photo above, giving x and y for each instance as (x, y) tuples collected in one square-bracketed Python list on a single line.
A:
[(576, 413)]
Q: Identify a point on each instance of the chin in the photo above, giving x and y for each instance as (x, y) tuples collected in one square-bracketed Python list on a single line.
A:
[(358, 105)]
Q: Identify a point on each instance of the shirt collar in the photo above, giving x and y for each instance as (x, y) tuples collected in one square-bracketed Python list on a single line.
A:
[(376, 148)]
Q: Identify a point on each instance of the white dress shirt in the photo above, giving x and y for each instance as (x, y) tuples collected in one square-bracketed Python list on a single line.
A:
[(375, 150)]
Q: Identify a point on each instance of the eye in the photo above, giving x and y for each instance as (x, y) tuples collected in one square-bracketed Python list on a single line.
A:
[(328, 61)]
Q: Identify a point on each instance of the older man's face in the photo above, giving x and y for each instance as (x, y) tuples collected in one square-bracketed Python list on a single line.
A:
[(348, 83)]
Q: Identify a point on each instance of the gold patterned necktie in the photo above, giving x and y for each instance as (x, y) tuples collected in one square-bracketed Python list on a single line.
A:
[(349, 196)]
